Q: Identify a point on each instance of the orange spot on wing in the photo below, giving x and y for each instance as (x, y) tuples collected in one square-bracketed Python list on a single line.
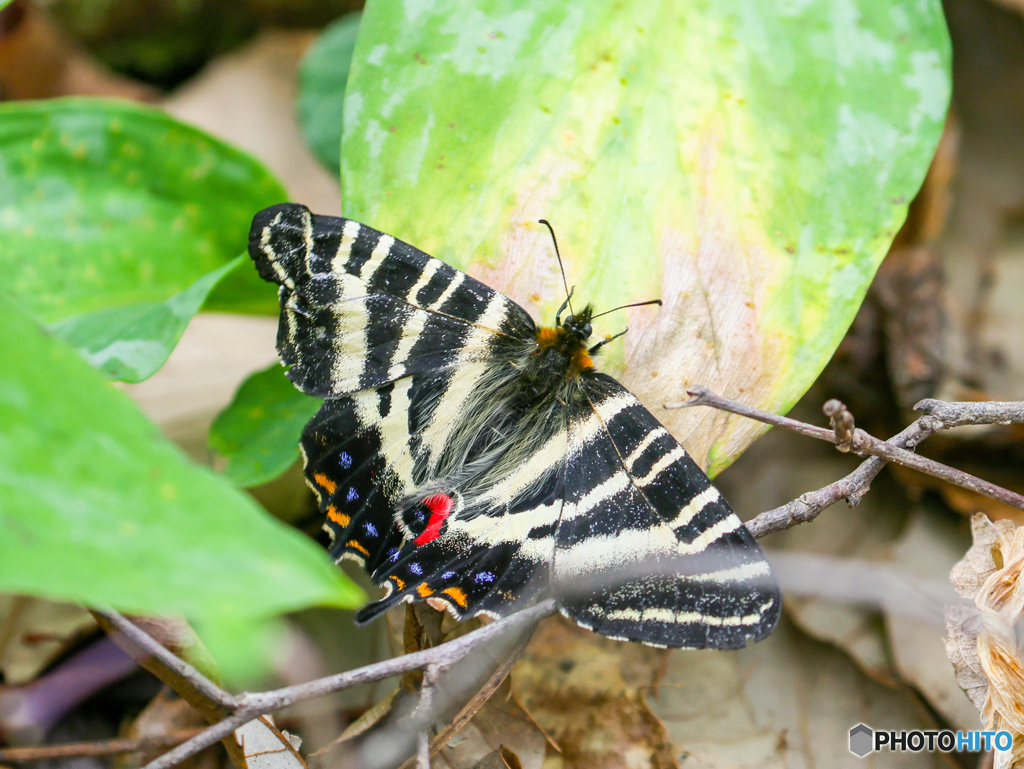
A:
[(356, 546), (326, 482), (339, 518), (457, 595), (400, 584), (423, 590)]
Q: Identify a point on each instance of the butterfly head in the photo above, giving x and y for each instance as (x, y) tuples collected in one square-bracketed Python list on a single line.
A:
[(577, 326)]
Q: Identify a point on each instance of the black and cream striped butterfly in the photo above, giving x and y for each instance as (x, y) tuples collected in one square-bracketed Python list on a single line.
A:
[(467, 458)]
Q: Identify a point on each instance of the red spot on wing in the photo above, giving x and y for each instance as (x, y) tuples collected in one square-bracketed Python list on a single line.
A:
[(439, 505)]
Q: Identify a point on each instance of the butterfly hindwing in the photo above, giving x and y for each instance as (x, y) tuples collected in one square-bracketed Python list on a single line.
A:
[(482, 548), (360, 308), (646, 548), (356, 451)]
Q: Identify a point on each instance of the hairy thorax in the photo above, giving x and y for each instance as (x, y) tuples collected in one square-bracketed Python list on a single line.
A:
[(558, 359)]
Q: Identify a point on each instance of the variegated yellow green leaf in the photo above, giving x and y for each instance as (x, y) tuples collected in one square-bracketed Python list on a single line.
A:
[(747, 162)]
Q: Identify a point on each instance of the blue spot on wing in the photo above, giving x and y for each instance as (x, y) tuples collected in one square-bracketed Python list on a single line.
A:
[(352, 495), (345, 460), (370, 529), (416, 569), (484, 576)]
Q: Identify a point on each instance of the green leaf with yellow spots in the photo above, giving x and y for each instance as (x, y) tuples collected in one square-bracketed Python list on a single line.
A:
[(131, 343), (107, 203), (747, 162), (97, 507), (258, 434)]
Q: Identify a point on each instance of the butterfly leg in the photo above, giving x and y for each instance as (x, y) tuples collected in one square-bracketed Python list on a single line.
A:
[(603, 342)]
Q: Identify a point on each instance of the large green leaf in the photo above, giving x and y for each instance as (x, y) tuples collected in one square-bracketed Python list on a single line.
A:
[(110, 203), (96, 507), (747, 162), (259, 432), (322, 78), (131, 343)]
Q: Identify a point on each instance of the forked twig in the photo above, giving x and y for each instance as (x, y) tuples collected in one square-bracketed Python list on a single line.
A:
[(938, 415), (247, 706), (96, 748), (250, 705)]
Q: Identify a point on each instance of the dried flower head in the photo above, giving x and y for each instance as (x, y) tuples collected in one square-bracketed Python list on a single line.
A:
[(985, 644)]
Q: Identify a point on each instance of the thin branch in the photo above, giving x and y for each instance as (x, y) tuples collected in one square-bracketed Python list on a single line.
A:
[(961, 413), (479, 699), (252, 705), (808, 506), (861, 443), (247, 706), (139, 642), (97, 748), (421, 715), (422, 750)]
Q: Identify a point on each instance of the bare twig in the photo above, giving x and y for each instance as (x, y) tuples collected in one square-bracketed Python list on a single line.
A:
[(808, 506), (841, 421), (478, 700), (244, 707), (961, 413), (422, 750), (422, 714), (97, 748), (140, 644), (251, 705), (861, 443)]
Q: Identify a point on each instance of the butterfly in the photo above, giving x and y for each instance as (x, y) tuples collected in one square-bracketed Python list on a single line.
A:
[(469, 459)]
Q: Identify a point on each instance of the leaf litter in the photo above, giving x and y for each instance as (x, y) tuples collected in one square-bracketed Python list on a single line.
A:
[(985, 645)]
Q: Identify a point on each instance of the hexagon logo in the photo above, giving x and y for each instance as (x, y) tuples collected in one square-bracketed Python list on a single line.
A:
[(862, 740)]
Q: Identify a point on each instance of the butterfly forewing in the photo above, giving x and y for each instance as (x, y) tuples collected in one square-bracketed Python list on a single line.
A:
[(448, 474), (360, 309)]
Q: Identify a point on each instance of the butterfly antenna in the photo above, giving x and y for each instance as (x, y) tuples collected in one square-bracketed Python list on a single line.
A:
[(623, 307), (568, 293)]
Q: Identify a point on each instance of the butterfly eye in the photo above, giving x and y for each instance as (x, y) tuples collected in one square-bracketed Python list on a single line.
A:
[(587, 330)]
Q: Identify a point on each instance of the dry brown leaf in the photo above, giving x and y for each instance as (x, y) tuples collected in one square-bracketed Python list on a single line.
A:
[(928, 548), (501, 724), (984, 646), (962, 627), (990, 574), (165, 714), (910, 284), (33, 632), (788, 701), (983, 347), (978, 564), (587, 694), (267, 747)]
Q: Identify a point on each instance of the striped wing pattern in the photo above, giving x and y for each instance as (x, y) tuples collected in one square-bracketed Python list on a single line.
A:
[(360, 309), (646, 548), (595, 499), (370, 323)]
